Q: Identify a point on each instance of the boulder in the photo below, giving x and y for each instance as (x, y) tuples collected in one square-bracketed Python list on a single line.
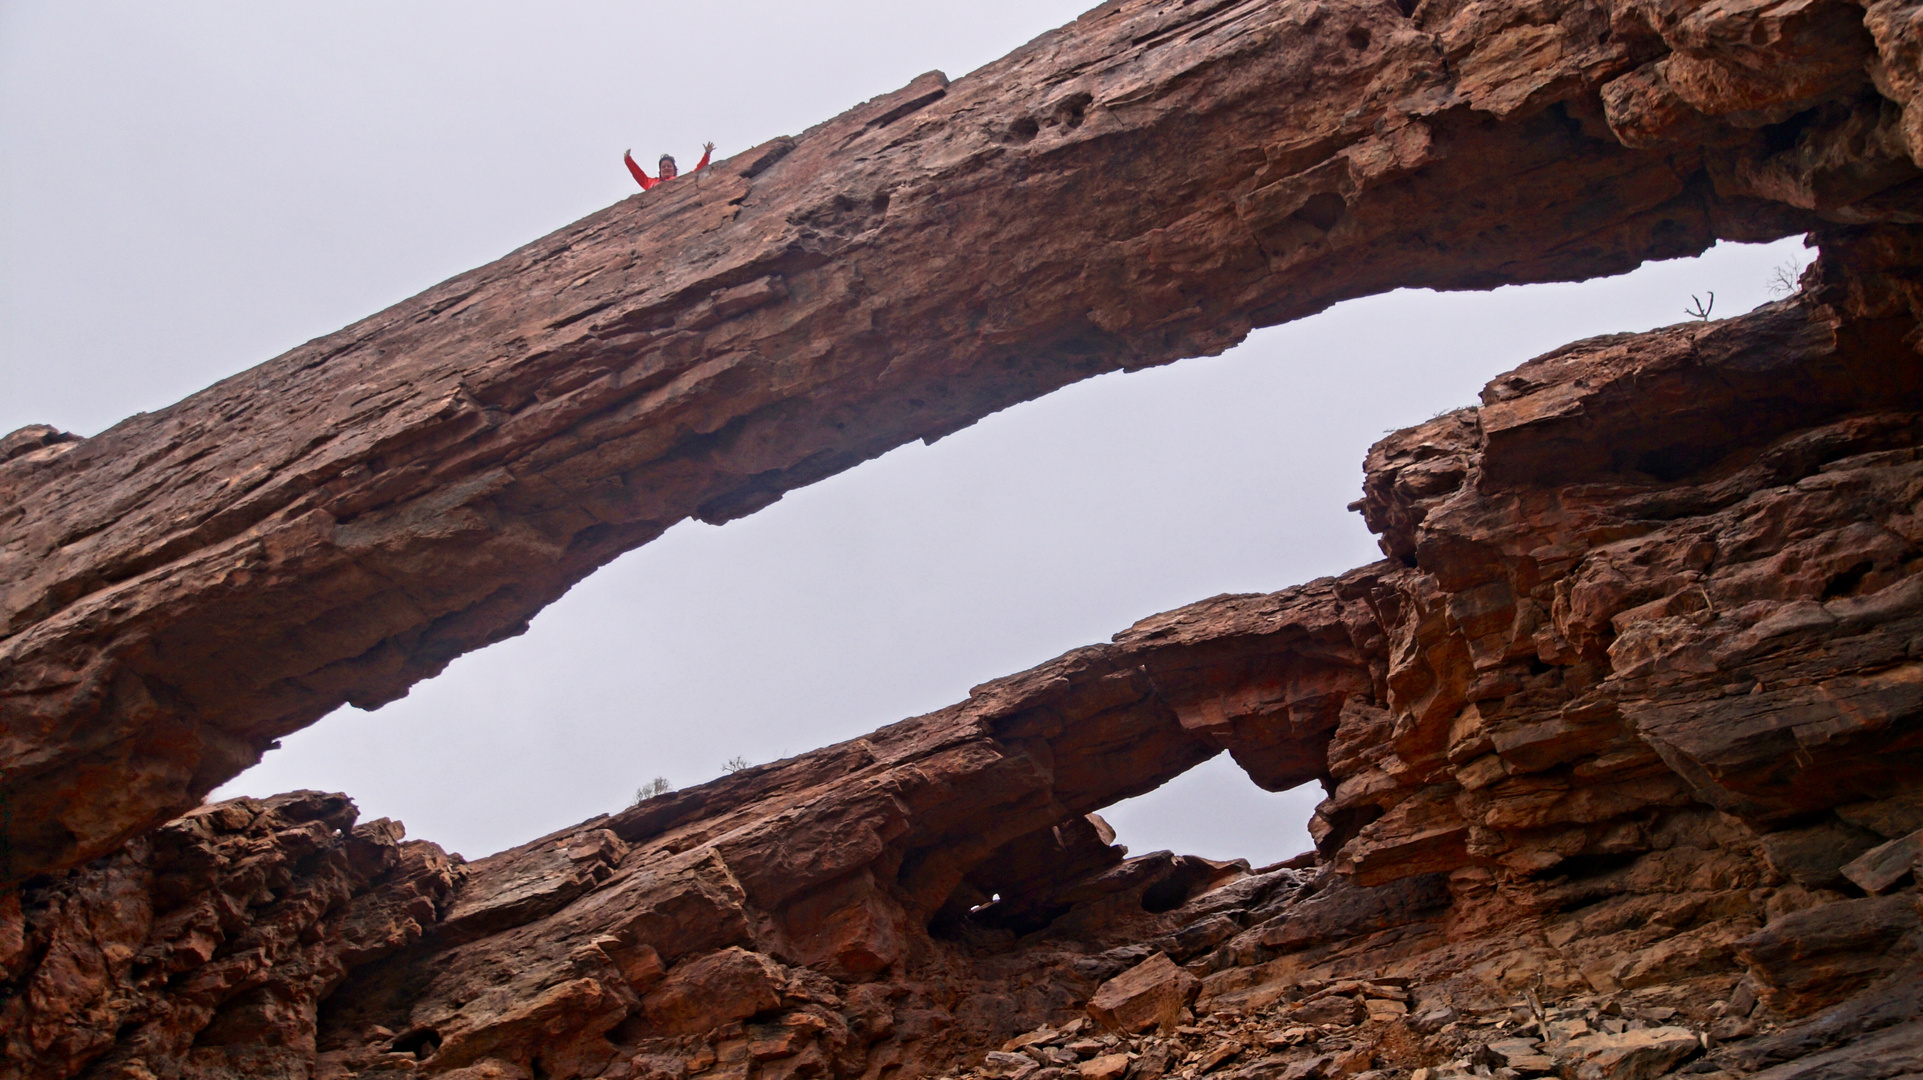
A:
[(1881, 867), (1815, 857), (1382, 1010), (710, 990), (1334, 1010), (1003, 1065), (1523, 1055), (1815, 957), (1150, 995), (1630, 1055), (1893, 1053)]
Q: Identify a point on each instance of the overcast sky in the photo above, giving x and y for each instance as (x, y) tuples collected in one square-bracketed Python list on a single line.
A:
[(188, 189)]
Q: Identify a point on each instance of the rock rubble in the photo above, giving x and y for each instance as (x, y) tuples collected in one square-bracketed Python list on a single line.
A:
[(1374, 1037)]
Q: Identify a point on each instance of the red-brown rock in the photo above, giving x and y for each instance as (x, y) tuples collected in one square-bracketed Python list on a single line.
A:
[(209, 944), (711, 990), (1638, 684), (1886, 864), (1535, 782), (1145, 184), (1150, 995)]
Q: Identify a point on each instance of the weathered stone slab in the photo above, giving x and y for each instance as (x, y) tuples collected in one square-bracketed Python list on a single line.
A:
[(1886, 864), (1149, 996), (1631, 1055)]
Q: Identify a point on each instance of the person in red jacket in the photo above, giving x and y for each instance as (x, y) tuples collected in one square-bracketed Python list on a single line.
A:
[(666, 168)]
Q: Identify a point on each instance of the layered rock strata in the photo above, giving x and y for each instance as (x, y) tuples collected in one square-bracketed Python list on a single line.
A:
[(1622, 742), (1144, 184)]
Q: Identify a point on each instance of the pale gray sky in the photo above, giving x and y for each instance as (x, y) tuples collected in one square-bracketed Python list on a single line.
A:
[(189, 188)]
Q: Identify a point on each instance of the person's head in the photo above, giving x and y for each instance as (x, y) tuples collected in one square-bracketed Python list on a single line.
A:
[(667, 169)]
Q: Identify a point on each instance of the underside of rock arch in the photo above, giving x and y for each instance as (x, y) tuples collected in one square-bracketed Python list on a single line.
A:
[(1622, 741)]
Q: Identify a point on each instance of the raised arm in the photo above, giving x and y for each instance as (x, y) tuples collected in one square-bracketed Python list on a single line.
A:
[(640, 177), (707, 151)]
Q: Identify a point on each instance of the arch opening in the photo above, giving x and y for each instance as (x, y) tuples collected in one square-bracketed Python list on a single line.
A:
[(890, 589), (1083, 876), (1215, 811)]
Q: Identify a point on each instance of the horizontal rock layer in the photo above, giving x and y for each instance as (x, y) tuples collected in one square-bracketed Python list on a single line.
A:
[(1614, 736), (1144, 184)]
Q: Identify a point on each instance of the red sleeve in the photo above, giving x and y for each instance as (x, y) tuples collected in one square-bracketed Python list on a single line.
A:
[(704, 160), (640, 177)]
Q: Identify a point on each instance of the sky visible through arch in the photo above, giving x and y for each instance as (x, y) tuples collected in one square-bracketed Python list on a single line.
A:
[(192, 188)]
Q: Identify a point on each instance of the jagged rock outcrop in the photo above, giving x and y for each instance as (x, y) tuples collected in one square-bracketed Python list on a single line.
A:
[(204, 947), (1623, 745), (1145, 184)]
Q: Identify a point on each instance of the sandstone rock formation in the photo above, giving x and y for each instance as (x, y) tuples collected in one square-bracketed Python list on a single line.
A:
[(206, 945), (1144, 184), (1622, 740), (1613, 739)]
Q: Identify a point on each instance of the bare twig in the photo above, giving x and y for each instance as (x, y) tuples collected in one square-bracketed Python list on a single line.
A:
[(1787, 277)]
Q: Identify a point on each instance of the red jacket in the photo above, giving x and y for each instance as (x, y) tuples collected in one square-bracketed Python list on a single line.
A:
[(647, 181)]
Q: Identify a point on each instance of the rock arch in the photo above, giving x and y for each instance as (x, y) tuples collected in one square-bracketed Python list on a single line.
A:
[(1640, 674), (1144, 184)]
